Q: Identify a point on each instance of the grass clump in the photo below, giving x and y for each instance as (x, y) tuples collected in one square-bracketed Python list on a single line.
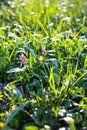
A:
[(43, 62)]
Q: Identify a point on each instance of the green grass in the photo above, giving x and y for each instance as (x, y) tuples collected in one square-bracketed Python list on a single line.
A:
[(43, 65)]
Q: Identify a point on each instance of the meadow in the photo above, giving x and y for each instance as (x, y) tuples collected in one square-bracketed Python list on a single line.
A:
[(43, 65)]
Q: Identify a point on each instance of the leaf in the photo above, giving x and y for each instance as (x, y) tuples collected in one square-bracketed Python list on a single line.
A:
[(79, 79), (50, 25), (51, 51), (78, 117), (14, 113), (18, 94), (35, 118), (51, 59), (32, 52), (31, 128), (17, 69), (66, 19)]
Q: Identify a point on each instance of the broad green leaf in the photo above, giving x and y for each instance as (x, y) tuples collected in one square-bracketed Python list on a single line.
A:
[(21, 107)]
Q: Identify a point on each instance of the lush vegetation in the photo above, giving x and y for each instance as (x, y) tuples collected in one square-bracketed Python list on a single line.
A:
[(43, 65)]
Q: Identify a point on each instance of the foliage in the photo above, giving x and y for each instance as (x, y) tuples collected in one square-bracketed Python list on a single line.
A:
[(43, 64)]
